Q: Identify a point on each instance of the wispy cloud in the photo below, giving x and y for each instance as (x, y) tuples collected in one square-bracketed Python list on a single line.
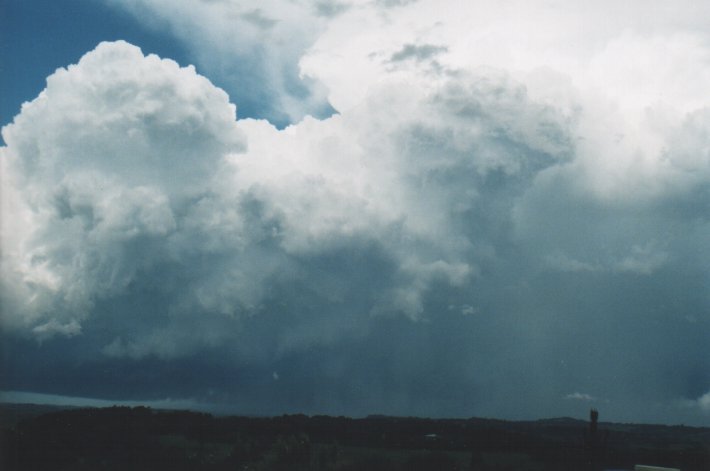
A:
[(577, 396)]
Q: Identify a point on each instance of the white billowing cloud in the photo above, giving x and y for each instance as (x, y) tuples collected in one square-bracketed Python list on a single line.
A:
[(628, 82), (405, 169), (629, 74), (129, 169), (701, 404), (100, 167), (134, 175), (254, 48), (704, 402)]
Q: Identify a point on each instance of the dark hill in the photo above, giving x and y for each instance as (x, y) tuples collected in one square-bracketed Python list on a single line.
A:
[(121, 438)]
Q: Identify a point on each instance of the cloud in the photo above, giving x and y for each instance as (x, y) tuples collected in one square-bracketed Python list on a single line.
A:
[(138, 183), (21, 397), (700, 404), (704, 402), (394, 3), (258, 19), (252, 52), (577, 396), (418, 53), (329, 8), (548, 176), (103, 165)]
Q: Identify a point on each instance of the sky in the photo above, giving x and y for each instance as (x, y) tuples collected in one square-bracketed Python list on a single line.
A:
[(431, 208)]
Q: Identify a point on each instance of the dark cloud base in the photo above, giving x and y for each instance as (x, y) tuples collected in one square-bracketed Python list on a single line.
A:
[(584, 336)]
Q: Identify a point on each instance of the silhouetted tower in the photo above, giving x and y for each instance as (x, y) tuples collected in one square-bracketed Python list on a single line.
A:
[(595, 442), (593, 422)]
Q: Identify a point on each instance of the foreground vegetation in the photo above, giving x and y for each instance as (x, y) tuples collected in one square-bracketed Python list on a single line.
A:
[(122, 438)]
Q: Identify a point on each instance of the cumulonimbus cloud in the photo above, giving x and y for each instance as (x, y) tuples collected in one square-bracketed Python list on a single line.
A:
[(546, 192), (128, 169), (98, 169)]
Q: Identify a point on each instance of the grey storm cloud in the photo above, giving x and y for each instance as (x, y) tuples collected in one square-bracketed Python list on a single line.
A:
[(162, 183), (331, 8), (419, 53), (257, 18), (473, 241)]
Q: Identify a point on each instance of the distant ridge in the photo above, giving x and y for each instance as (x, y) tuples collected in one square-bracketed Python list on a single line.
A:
[(37, 436)]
